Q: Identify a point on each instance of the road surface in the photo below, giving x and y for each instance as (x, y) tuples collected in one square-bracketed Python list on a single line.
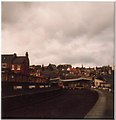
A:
[(66, 104)]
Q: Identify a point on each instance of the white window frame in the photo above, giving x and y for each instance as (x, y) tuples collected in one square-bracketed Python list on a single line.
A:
[(13, 67), (4, 65), (18, 67)]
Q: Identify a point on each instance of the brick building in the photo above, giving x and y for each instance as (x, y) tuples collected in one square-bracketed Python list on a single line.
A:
[(14, 66)]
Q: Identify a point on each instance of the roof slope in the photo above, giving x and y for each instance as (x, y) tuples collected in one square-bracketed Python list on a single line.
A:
[(8, 58), (19, 60)]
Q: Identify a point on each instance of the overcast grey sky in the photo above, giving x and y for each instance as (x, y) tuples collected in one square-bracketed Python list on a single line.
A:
[(60, 32)]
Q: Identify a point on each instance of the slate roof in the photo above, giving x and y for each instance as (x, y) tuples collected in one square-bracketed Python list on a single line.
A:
[(19, 60), (8, 58)]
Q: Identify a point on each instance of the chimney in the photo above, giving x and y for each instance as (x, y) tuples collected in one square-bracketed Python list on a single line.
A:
[(15, 54), (82, 65), (26, 54)]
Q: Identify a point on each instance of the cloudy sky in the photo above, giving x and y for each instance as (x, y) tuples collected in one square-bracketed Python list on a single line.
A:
[(60, 32)]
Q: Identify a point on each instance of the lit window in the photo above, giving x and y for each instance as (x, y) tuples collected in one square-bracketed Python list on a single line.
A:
[(18, 67), (13, 67)]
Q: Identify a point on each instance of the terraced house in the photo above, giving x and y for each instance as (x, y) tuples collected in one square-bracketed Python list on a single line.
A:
[(14, 67)]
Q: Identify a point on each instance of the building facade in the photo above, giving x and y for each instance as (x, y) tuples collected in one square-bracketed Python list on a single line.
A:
[(14, 66)]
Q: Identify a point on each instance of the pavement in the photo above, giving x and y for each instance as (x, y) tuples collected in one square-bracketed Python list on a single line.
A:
[(109, 108), (104, 107)]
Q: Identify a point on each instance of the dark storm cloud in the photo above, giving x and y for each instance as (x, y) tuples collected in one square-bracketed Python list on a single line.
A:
[(59, 32)]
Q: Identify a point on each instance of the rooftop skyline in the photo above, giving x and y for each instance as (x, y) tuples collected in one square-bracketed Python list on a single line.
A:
[(60, 32)]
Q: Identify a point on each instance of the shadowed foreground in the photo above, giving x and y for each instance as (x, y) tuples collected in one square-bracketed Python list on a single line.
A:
[(66, 104)]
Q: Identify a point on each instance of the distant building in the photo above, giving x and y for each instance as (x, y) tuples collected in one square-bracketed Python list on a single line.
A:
[(52, 67), (64, 70), (104, 70), (49, 71), (34, 70), (64, 67), (98, 82)]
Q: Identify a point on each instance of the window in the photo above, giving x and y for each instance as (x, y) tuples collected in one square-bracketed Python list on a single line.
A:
[(17, 87), (13, 67), (12, 76), (4, 65), (96, 83), (18, 67)]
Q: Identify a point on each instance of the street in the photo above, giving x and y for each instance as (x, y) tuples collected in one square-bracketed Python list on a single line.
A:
[(67, 104)]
